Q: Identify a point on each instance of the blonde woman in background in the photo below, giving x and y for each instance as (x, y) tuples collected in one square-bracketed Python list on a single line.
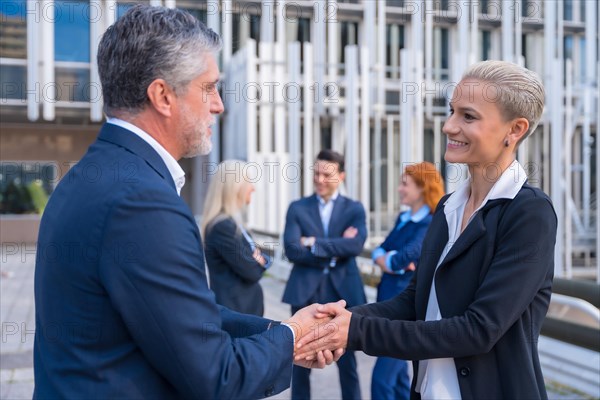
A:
[(234, 261)]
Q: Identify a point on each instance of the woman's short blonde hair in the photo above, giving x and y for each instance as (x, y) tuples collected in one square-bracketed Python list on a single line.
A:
[(519, 91), (223, 195)]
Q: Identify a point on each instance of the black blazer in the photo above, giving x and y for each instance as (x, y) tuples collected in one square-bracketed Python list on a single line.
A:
[(493, 290), (233, 272), (303, 219)]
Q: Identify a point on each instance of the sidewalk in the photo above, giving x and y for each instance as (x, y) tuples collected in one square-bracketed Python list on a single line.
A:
[(17, 317)]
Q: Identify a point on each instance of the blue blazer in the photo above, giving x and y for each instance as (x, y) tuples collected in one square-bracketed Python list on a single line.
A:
[(233, 272), (493, 290), (303, 219), (123, 309), (407, 241)]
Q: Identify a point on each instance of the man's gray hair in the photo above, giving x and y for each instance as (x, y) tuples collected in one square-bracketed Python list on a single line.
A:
[(520, 92), (149, 43)]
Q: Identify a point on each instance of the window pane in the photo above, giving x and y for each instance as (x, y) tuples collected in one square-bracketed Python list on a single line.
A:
[(303, 30), (486, 44), (568, 47), (26, 186), (349, 36), (255, 27), (440, 53), (13, 29), (483, 6), (236, 41), (568, 10), (395, 3), (73, 84), (72, 30), (13, 82)]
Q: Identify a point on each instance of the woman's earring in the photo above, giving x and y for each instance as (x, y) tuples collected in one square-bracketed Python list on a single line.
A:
[(505, 142)]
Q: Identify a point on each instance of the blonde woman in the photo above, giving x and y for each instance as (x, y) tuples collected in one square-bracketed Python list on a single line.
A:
[(234, 261), (471, 316)]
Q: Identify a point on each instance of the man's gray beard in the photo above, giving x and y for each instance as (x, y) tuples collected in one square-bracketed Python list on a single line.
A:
[(203, 148)]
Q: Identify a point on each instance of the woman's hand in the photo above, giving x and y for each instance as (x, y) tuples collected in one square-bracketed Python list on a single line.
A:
[(257, 255)]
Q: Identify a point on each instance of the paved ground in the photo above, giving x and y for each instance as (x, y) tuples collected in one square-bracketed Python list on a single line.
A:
[(17, 316), (18, 327)]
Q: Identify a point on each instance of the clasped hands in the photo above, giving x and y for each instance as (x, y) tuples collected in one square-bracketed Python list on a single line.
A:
[(321, 332)]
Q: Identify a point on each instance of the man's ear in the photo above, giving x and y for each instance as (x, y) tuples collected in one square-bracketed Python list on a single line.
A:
[(342, 176), (520, 126), (162, 97)]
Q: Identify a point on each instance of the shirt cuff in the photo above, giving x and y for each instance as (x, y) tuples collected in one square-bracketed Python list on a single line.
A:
[(388, 259), (269, 261), (378, 252)]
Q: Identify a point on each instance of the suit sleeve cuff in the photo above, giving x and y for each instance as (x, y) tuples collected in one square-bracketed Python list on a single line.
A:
[(291, 329), (354, 331)]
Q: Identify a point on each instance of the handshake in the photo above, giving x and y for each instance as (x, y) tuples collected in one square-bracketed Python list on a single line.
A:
[(321, 334)]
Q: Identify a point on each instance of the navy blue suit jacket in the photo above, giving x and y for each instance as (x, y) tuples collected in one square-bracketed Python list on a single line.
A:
[(123, 309), (303, 219), (493, 290), (233, 271), (407, 241)]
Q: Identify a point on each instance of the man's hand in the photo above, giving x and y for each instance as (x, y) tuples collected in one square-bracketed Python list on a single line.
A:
[(380, 261), (350, 233), (331, 335), (306, 320), (307, 241)]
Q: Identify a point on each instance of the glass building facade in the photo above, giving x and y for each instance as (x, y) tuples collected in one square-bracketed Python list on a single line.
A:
[(367, 78)]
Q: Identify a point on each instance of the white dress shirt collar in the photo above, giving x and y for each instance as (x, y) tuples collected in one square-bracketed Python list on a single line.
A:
[(506, 187), (417, 217), (333, 197), (173, 166)]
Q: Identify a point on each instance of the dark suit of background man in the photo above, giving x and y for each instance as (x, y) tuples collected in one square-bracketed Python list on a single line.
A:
[(123, 309), (323, 234)]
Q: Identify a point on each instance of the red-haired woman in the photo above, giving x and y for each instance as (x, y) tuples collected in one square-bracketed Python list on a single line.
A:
[(420, 190)]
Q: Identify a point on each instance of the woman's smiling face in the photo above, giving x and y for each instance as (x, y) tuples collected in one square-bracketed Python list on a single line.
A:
[(476, 128)]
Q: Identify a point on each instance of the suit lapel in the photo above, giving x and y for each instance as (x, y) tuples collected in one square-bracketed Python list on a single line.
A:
[(472, 232), (132, 142), (336, 213)]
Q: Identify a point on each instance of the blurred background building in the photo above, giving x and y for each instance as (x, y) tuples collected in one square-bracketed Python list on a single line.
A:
[(369, 78)]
